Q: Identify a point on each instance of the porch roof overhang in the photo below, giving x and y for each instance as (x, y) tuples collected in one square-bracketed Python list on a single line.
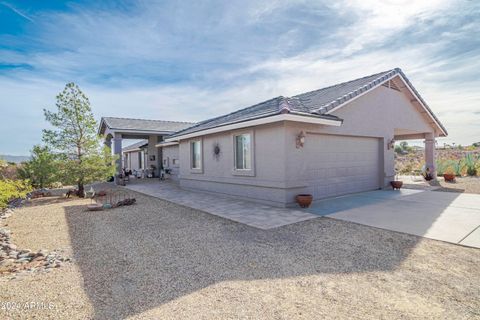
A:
[(139, 128)]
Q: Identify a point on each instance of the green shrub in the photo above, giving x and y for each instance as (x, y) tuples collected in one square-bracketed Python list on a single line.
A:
[(42, 169), (471, 164), (442, 166), (454, 166), (11, 189)]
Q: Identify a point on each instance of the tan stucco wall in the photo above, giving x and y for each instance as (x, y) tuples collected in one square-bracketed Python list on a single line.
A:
[(133, 163), (267, 185), (170, 155), (280, 167)]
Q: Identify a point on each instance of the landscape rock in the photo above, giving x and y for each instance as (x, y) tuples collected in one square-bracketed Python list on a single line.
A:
[(21, 262), (24, 255)]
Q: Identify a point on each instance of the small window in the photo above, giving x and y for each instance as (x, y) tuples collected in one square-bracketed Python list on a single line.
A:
[(243, 152), (175, 161), (196, 154)]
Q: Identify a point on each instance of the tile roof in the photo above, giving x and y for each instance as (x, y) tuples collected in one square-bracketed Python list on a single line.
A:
[(267, 108), (315, 103), (323, 100), (145, 124), (135, 146)]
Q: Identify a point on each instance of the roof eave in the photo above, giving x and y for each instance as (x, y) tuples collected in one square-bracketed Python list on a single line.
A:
[(102, 122), (272, 118)]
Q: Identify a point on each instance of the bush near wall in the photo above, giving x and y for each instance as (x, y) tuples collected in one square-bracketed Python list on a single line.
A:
[(12, 189)]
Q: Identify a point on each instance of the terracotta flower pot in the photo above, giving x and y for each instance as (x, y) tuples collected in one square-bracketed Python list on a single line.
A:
[(396, 185), (304, 200), (449, 177)]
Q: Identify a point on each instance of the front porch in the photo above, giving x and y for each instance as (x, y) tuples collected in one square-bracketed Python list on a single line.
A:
[(429, 146), (115, 130)]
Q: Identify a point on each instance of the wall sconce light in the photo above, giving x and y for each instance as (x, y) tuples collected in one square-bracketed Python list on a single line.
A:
[(300, 141), (391, 144)]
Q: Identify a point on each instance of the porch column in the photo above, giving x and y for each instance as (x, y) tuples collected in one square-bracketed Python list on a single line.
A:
[(430, 153), (117, 150), (154, 151), (387, 162)]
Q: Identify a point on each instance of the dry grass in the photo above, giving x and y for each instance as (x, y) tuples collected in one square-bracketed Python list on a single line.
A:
[(157, 260)]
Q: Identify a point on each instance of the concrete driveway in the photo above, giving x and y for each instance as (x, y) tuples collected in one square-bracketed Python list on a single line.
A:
[(446, 216)]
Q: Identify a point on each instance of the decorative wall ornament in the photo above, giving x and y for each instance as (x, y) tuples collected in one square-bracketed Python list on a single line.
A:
[(216, 151), (300, 140), (391, 144)]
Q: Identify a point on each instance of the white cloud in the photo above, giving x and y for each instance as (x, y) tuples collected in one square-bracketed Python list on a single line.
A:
[(229, 57), (379, 20)]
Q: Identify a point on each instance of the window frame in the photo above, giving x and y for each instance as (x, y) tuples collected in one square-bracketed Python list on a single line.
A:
[(244, 172), (190, 145)]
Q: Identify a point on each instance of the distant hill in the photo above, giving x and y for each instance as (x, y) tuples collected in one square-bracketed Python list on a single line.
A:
[(16, 159)]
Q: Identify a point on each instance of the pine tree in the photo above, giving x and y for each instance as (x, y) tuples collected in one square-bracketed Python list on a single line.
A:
[(82, 158)]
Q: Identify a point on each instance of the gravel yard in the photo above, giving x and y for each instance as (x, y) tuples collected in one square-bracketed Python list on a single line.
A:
[(158, 260), (463, 184)]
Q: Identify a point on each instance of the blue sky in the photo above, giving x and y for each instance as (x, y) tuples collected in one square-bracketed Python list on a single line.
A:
[(177, 60)]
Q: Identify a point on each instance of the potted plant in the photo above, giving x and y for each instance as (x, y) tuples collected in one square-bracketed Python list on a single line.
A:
[(449, 174), (304, 200), (427, 175), (396, 184)]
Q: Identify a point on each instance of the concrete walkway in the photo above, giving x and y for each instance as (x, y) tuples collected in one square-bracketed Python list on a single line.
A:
[(446, 216), (249, 213)]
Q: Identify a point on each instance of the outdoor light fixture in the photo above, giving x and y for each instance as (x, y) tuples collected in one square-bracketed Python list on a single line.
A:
[(300, 140), (391, 144)]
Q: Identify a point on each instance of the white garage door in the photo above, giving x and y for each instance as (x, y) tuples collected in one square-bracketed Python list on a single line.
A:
[(340, 165)]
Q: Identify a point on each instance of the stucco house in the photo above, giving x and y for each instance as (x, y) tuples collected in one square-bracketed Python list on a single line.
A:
[(328, 142), (134, 156)]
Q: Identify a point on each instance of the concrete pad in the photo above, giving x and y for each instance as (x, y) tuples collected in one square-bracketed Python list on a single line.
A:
[(450, 199), (333, 205), (253, 214), (436, 215), (330, 206), (390, 194), (473, 239)]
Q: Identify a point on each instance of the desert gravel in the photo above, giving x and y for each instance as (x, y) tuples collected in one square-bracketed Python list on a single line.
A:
[(463, 184), (158, 260)]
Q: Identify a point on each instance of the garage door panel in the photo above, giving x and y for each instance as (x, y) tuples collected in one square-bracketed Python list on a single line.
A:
[(339, 165)]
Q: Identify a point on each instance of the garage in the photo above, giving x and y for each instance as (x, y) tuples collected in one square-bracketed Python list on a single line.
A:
[(339, 165)]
